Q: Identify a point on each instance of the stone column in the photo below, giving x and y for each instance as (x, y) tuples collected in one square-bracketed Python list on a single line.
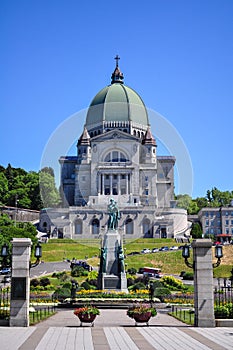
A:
[(118, 184), (103, 184), (20, 282), (110, 184), (203, 283)]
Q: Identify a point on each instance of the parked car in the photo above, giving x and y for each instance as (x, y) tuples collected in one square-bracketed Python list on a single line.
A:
[(155, 250), (164, 249), (81, 263), (146, 251), (174, 247), (5, 271)]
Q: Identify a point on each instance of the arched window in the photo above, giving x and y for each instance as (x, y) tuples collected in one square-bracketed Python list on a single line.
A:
[(146, 226), (115, 156), (129, 226), (95, 227), (78, 227), (134, 132)]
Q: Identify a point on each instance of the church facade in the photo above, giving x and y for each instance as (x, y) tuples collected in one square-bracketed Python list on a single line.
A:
[(116, 159)]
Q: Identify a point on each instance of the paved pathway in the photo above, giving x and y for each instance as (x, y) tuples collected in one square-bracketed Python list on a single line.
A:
[(113, 330)]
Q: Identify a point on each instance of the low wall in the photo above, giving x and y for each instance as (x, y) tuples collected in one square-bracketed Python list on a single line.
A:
[(224, 323)]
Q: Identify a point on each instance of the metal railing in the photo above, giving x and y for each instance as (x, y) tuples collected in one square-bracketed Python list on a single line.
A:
[(4, 303)]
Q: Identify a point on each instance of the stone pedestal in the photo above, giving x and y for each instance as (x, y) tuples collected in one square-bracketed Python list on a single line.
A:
[(203, 283), (20, 282), (112, 278)]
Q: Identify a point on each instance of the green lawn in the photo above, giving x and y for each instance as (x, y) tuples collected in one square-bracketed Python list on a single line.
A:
[(170, 262)]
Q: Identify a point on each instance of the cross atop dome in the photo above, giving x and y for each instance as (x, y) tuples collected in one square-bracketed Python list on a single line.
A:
[(117, 76), (117, 58)]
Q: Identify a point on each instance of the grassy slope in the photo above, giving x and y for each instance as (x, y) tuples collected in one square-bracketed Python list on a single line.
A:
[(170, 262)]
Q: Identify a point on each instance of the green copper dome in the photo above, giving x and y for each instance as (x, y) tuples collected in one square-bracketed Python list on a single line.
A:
[(117, 103)]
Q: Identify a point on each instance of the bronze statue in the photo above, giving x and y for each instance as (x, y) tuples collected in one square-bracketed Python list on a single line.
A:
[(114, 215), (121, 265), (103, 259)]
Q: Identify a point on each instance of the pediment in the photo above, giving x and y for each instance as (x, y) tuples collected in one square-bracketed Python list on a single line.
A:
[(114, 135)]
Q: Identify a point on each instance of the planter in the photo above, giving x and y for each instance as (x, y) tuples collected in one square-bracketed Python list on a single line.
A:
[(87, 318), (142, 318)]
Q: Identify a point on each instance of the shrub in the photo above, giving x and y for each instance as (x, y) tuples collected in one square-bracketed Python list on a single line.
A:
[(93, 275), (93, 282), (63, 276), (130, 281), (132, 271), (61, 293), (137, 286), (35, 282), (221, 312), (161, 293), (67, 285), (87, 286), (187, 276), (45, 281), (78, 271), (172, 283)]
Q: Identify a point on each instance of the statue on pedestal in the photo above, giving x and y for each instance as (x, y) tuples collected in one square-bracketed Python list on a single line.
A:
[(114, 215)]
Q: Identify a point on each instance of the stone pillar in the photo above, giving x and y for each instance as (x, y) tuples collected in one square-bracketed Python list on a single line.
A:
[(110, 184), (20, 282), (203, 283), (103, 192)]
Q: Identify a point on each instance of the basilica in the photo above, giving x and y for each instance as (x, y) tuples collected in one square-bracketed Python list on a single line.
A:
[(116, 160)]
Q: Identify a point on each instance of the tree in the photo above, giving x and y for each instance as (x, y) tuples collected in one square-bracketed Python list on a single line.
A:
[(196, 230), (49, 193), (3, 187)]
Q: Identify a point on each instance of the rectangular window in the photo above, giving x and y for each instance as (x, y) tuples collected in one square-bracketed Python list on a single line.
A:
[(227, 222), (115, 177), (123, 177), (83, 178), (207, 222), (211, 214), (212, 231), (219, 222), (207, 214), (123, 190), (227, 230), (146, 192), (106, 177), (226, 213), (212, 223), (231, 222)]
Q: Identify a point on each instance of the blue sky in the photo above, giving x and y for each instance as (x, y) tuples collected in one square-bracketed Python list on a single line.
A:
[(56, 55)]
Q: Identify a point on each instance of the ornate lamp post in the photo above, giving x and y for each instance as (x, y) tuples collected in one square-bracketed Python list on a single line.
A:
[(186, 256), (4, 254), (37, 255)]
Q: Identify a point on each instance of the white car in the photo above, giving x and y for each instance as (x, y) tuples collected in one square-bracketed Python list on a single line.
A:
[(174, 247), (146, 251)]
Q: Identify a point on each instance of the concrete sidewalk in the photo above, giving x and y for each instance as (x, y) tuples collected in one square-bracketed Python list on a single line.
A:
[(114, 330)]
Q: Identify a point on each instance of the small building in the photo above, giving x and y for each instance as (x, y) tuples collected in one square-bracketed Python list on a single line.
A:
[(217, 222)]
